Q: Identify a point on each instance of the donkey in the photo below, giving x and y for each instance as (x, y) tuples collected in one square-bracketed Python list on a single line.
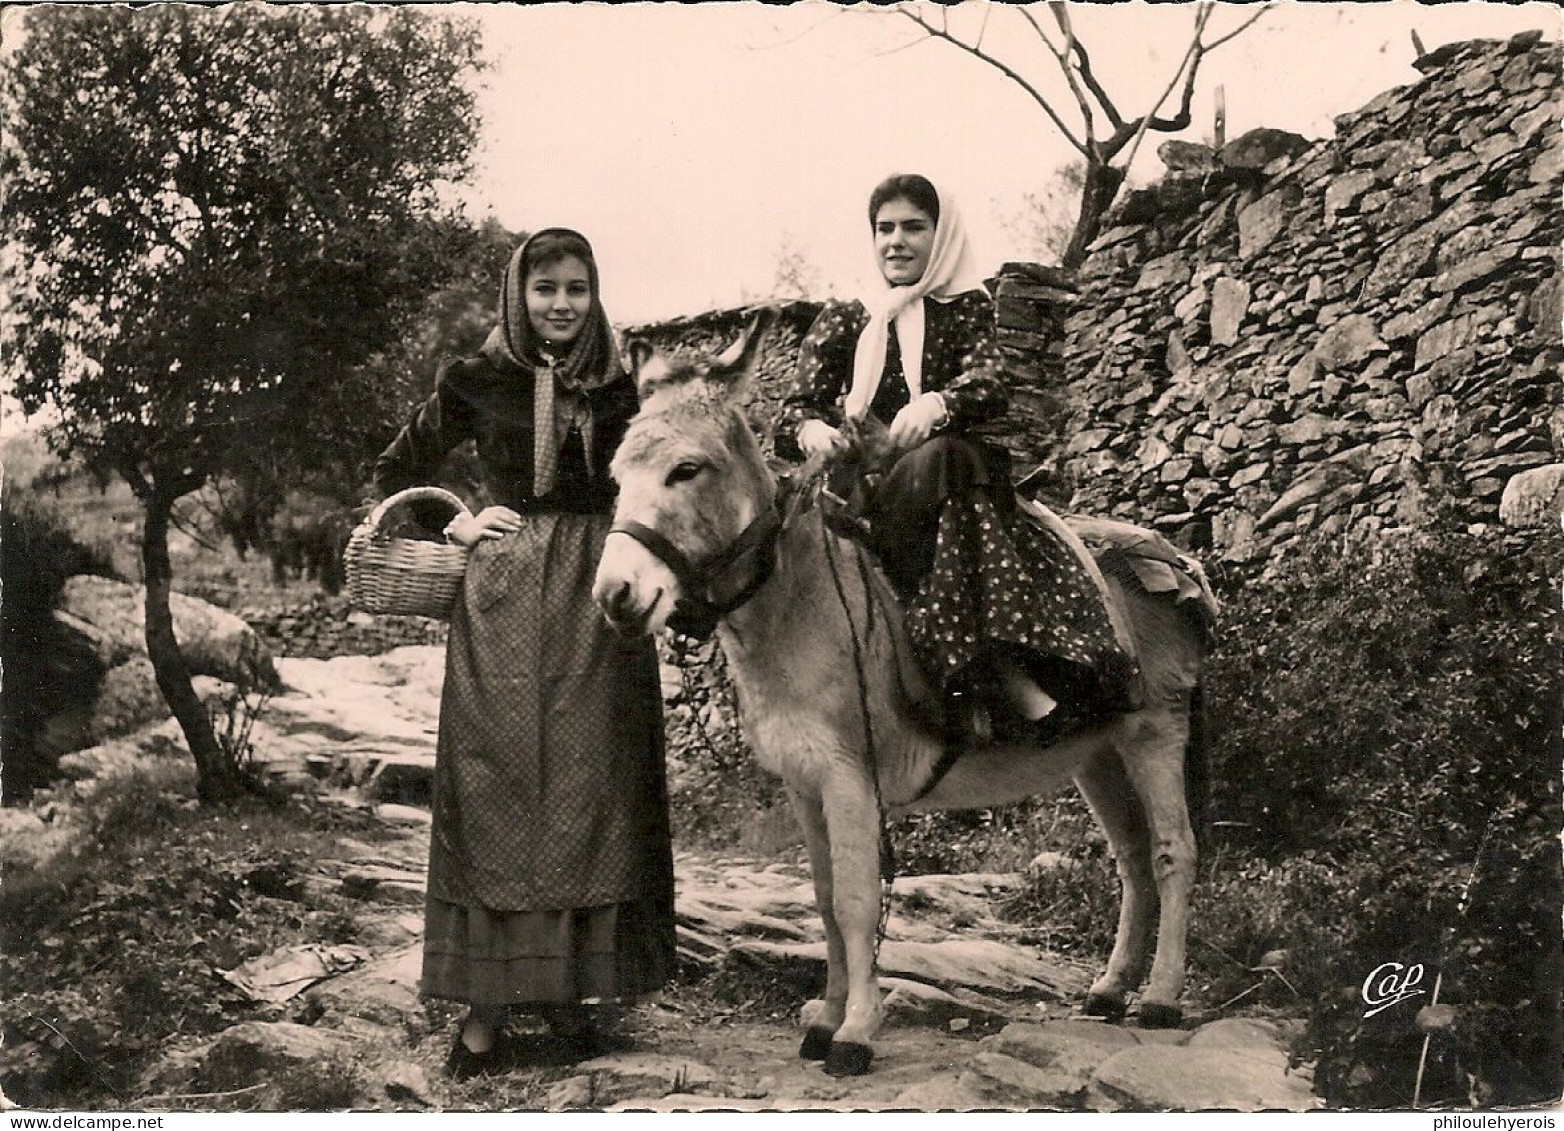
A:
[(813, 636)]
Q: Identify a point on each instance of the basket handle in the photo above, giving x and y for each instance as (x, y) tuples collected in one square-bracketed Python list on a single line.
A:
[(414, 495)]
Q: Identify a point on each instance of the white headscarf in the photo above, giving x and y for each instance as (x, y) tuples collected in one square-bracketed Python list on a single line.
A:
[(950, 272)]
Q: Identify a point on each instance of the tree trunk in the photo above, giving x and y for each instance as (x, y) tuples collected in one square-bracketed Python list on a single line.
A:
[(1101, 185), (217, 779)]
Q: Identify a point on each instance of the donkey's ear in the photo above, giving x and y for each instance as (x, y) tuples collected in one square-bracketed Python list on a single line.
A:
[(639, 351), (737, 364), (647, 367)]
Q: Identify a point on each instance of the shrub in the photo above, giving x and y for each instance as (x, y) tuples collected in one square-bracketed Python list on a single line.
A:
[(1386, 759)]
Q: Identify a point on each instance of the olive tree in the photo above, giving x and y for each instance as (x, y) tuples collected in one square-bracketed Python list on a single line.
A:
[(215, 219)]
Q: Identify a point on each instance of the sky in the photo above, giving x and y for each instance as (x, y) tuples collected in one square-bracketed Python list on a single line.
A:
[(695, 144)]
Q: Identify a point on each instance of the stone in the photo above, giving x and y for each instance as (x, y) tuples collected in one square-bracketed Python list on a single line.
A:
[(1254, 473), (1169, 270), (1176, 470), (1257, 148), (1415, 322), (1178, 360), (1304, 491), (128, 699), (384, 990), (1406, 258), (213, 641), (1175, 1078), (1004, 1081), (1190, 308), (1444, 339), (1349, 342), (1302, 375), (1186, 155), (1229, 303), (1476, 270), (1260, 223), (1344, 192), (1308, 429), (255, 1051)]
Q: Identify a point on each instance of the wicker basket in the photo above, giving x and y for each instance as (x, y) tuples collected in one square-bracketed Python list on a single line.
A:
[(404, 576)]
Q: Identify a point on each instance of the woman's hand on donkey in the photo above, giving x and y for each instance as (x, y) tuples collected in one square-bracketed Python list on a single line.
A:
[(817, 438), (491, 522)]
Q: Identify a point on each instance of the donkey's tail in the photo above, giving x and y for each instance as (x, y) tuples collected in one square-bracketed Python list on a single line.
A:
[(1197, 769)]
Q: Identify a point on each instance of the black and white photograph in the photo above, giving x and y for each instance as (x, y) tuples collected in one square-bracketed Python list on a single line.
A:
[(793, 558)]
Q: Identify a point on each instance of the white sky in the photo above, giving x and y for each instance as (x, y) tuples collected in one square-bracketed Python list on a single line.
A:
[(692, 142)]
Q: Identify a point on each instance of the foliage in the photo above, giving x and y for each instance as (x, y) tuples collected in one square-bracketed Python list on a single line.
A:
[(1040, 229), (38, 552), (1387, 727), (216, 219)]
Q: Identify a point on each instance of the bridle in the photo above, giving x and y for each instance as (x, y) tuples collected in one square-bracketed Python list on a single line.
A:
[(698, 610)]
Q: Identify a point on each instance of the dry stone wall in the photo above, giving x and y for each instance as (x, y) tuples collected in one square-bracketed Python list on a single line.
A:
[(1290, 336)]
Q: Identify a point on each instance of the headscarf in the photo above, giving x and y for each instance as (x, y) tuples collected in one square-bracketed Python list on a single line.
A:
[(950, 272), (558, 383)]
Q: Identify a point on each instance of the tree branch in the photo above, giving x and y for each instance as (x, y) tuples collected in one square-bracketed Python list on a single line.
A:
[(1236, 32), (1063, 56), (1008, 72), (1192, 61), (1083, 64), (1182, 119)]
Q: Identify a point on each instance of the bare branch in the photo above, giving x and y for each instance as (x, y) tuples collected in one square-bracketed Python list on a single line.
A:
[(1083, 65), (1008, 71), (811, 29), (1063, 55), (1191, 56), (1236, 32), (983, 27)]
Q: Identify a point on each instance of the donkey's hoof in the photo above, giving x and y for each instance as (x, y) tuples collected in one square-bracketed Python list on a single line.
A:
[(848, 1058), (1108, 1007), (1155, 1015), (817, 1043)]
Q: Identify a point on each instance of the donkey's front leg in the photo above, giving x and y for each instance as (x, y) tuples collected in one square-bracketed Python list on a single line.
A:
[(853, 825), (822, 1018)]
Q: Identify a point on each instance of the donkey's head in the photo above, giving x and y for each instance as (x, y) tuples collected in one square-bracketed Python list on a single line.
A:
[(694, 522)]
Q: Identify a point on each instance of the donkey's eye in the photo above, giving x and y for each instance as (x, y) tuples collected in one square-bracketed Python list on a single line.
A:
[(684, 472)]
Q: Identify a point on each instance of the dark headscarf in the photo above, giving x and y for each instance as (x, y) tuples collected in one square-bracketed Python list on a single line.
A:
[(593, 360)]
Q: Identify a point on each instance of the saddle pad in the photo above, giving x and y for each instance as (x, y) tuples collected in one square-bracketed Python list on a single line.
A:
[(1158, 565)]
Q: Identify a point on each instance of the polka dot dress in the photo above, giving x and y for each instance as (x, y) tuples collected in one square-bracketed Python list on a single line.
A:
[(1013, 585)]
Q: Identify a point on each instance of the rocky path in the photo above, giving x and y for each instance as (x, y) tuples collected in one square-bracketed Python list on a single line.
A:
[(975, 1018)]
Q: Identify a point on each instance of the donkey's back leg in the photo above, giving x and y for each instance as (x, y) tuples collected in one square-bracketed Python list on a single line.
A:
[(1106, 787), (1153, 757)]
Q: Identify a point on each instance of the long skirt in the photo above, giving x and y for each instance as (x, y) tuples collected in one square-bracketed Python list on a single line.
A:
[(550, 866), (981, 583)]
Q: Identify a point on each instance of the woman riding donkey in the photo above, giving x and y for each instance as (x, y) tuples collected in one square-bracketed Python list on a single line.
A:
[(550, 868), (992, 601)]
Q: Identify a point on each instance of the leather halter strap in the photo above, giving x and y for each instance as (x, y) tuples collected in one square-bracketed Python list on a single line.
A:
[(697, 613)]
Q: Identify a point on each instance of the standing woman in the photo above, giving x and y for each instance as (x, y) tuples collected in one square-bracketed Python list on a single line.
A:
[(991, 601), (550, 867)]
